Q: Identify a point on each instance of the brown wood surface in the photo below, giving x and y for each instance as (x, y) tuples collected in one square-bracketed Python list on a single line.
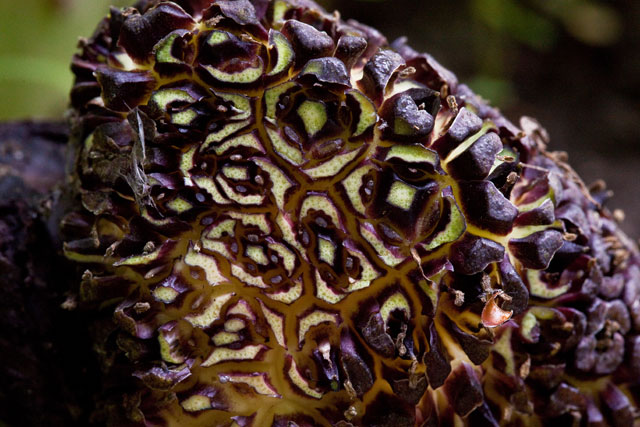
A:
[(44, 350)]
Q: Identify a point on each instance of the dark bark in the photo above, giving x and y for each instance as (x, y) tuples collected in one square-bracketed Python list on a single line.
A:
[(45, 353), (34, 152)]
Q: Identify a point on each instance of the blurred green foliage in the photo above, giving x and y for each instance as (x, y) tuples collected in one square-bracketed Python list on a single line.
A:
[(37, 40), (536, 25)]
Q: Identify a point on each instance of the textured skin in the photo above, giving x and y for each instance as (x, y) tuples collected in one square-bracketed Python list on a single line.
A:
[(294, 222)]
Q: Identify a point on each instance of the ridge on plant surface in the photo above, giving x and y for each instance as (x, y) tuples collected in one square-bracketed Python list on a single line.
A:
[(286, 220)]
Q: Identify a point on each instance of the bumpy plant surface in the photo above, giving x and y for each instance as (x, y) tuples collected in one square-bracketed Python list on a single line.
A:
[(285, 220)]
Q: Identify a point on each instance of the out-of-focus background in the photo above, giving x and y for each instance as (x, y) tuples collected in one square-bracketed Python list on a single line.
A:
[(37, 40), (573, 64)]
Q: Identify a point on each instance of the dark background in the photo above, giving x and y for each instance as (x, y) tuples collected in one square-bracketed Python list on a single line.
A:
[(573, 64)]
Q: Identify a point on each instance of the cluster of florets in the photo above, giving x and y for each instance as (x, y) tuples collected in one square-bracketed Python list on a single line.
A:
[(297, 222)]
